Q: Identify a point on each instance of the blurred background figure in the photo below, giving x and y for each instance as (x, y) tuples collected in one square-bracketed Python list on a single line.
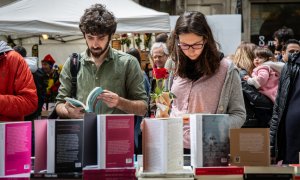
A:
[(138, 119), (52, 79), (281, 36)]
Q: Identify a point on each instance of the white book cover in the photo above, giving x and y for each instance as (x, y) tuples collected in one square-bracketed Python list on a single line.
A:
[(15, 148), (163, 145), (209, 136)]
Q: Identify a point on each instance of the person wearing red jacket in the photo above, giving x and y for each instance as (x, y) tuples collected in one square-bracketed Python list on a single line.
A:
[(17, 89)]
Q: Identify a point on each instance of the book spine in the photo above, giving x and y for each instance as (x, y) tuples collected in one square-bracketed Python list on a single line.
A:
[(50, 146), (219, 171), (268, 176), (2, 145)]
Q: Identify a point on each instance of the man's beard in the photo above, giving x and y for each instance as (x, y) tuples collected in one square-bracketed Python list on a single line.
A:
[(99, 51)]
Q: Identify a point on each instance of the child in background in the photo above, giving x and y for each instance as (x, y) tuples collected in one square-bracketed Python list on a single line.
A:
[(265, 75)]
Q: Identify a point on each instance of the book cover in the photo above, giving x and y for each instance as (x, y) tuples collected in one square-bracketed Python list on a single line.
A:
[(163, 145), (209, 136), (115, 138), (250, 147), (90, 139), (40, 139), (64, 150), (15, 148), (92, 103), (110, 173)]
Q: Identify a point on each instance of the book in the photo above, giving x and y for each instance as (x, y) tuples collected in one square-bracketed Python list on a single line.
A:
[(90, 139), (15, 148), (162, 145), (115, 141), (44, 175), (272, 169), (268, 176), (40, 149), (92, 103), (209, 136), (250, 147), (64, 145), (222, 170), (95, 173), (185, 172), (271, 172)]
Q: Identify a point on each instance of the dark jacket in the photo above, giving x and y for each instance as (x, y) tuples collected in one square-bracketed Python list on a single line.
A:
[(258, 106), (287, 81)]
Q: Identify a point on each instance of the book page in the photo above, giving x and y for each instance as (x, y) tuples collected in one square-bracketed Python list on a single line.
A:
[(40, 131), (75, 102), (174, 144), (153, 159)]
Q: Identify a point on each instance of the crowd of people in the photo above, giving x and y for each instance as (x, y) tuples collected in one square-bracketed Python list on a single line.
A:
[(255, 87)]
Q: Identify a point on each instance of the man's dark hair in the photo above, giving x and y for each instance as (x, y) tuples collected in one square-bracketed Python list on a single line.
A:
[(292, 41), (98, 20), (283, 35), (21, 50)]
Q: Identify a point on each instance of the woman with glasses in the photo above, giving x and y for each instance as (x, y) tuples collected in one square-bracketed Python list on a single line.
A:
[(204, 82)]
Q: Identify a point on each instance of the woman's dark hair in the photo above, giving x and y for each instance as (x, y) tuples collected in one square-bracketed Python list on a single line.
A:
[(134, 52), (209, 60), (98, 20)]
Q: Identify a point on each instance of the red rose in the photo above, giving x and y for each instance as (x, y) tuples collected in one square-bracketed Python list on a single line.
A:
[(160, 73)]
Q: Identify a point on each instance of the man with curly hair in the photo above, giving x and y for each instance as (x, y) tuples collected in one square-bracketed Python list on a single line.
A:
[(118, 73)]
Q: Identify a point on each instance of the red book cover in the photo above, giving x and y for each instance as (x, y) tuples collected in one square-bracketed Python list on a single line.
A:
[(15, 148), (225, 170), (40, 138), (95, 174), (115, 141)]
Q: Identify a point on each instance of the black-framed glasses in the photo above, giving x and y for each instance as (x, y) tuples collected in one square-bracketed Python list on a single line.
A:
[(194, 46)]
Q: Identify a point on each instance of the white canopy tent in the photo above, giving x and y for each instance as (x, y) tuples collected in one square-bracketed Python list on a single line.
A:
[(61, 17)]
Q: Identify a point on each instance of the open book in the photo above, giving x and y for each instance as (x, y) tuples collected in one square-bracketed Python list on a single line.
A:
[(92, 103)]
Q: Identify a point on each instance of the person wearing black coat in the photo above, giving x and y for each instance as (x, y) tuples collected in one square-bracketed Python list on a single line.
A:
[(285, 124)]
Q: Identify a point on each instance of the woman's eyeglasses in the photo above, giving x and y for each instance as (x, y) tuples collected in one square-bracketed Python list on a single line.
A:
[(194, 46)]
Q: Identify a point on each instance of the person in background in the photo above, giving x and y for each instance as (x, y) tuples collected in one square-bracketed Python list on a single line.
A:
[(39, 82), (281, 36), (290, 47), (265, 75), (285, 124), (161, 37), (137, 130), (203, 82), (18, 95), (118, 73), (52, 78), (258, 106)]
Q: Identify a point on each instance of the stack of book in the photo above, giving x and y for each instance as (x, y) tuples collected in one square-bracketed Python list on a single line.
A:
[(15, 149), (112, 157), (58, 148)]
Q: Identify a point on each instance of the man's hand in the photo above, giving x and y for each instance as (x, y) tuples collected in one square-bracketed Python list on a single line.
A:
[(74, 112), (109, 98)]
